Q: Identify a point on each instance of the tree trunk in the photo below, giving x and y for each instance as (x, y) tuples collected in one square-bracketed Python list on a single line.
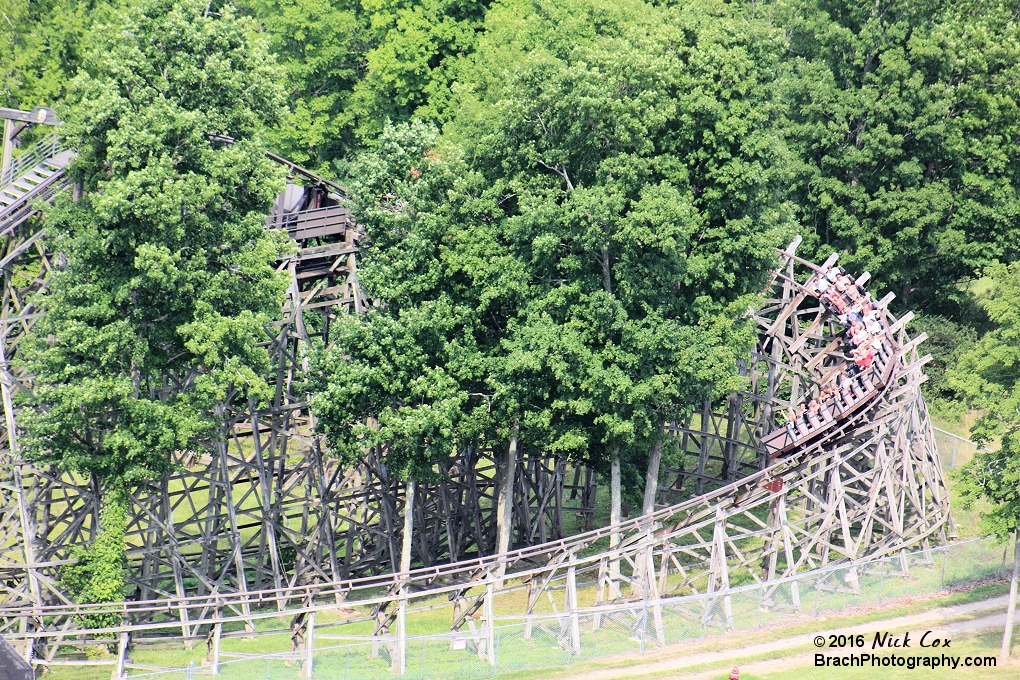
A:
[(405, 550), (505, 506), (652, 476), (1007, 636), (615, 517)]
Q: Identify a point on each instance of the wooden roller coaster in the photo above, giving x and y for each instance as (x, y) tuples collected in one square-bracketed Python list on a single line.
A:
[(264, 525)]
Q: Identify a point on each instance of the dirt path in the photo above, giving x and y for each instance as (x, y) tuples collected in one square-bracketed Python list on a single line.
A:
[(987, 614)]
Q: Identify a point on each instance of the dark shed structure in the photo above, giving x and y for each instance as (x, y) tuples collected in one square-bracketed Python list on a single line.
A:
[(12, 666)]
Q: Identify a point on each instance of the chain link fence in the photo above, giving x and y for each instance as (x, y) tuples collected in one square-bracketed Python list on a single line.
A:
[(561, 640), (954, 450)]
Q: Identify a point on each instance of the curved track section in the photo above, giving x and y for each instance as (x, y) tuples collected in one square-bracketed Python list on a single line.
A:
[(264, 528), (859, 479)]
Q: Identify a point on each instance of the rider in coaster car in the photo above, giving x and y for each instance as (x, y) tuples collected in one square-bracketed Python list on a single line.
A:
[(859, 335), (872, 324), (826, 395), (848, 287), (835, 301), (863, 356), (812, 412), (821, 285), (846, 388)]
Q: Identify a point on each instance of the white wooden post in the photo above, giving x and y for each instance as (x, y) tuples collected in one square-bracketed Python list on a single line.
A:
[(720, 567), (652, 590), (1007, 635), (489, 614), (309, 643), (600, 588), (8, 147), (531, 605), (119, 673), (615, 517), (400, 663), (570, 605)]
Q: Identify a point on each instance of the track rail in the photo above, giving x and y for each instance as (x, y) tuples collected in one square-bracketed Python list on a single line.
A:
[(865, 485)]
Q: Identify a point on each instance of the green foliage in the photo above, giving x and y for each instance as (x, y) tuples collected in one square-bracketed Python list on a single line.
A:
[(389, 384), (351, 66), (322, 46), (168, 268), (634, 152), (410, 67), (947, 342), (989, 376), (416, 364), (98, 574), (582, 270), (904, 118), (573, 253), (41, 44)]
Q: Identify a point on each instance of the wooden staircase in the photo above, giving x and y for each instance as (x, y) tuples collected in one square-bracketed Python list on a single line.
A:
[(42, 178), (26, 183)]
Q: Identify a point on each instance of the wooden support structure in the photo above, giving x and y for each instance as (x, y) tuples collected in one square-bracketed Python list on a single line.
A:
[(265, 522)]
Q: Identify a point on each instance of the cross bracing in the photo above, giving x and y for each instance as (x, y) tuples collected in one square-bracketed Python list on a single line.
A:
[(264, 523)]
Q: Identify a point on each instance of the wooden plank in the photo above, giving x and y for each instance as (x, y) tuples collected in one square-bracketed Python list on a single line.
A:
[(820, 357)]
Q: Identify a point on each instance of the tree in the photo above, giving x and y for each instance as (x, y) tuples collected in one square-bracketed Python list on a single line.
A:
[(408, 377), (170, 274), (634, 151), (42, 48), (412, 64), (323, 47), (947, 342), (903, 119), (989, 376), (352, 66)]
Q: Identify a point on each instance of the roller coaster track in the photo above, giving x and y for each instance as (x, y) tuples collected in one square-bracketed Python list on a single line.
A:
[(862, 481)]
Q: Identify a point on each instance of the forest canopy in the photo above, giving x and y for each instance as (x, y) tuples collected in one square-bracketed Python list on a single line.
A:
[(569, 203), (896, 123)]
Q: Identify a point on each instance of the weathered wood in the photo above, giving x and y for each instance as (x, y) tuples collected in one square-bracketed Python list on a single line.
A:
[(265, 515), (615, 516), (504, 510)]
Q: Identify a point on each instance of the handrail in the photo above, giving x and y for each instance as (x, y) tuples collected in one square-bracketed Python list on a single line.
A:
[(13, 214), (318, 179), (47, 147), (980, 447)]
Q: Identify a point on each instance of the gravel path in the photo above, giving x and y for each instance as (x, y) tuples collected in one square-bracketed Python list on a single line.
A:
[(987, 614)]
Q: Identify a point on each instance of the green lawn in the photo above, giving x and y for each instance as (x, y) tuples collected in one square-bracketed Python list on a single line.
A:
[(542, 649)]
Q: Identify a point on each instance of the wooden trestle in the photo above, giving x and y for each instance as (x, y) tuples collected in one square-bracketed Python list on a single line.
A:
[(265, 524), (265, 506)]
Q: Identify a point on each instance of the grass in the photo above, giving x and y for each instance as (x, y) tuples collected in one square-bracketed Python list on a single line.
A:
[(542, 649), (734, 642)]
